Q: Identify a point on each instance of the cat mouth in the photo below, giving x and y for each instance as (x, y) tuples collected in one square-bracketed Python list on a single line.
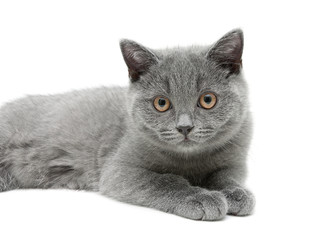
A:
[(186, 140)]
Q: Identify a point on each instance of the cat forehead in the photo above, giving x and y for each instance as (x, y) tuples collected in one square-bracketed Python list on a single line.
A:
[(181, 56), (182, 69)]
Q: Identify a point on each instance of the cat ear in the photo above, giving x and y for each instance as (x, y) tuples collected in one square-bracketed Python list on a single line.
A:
[(227, 52), (137, 58)]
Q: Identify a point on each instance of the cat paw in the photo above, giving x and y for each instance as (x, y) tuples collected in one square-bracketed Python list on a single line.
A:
[(205, 205), (240, 201)]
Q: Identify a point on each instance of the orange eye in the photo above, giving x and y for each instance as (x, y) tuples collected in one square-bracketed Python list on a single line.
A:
[(162, 104), (208, 100)]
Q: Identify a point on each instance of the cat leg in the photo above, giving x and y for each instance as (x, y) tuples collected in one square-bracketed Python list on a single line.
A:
[(7, 181), (166, 192), (240, 201)]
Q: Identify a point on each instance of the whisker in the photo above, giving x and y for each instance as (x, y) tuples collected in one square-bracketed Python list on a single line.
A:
[(169, 138), (167, 134), (165, 130), (206, 128), (204, 131), (202, 136)]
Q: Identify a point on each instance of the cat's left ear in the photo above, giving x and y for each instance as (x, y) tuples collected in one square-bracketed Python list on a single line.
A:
[(227, 52), (137, 58)]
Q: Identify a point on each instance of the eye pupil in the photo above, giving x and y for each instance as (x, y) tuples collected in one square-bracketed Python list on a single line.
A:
[(162, 102), (207, 99)]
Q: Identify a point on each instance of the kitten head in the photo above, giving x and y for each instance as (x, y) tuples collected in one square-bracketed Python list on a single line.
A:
[(187, 98)]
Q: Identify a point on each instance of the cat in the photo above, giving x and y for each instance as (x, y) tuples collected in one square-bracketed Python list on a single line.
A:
[(175, 140)]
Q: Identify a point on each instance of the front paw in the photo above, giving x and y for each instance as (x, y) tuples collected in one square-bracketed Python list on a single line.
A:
[(204, 205), (240, 201)]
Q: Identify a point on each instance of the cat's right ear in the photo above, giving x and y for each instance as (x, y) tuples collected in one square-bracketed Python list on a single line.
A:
[(137, 58)]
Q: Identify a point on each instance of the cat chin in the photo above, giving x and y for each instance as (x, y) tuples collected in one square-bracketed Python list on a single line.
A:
[(189, 148), (185, 146), (184, 142)]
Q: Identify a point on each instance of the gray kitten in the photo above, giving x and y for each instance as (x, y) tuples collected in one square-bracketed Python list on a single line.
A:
[(176, 139)]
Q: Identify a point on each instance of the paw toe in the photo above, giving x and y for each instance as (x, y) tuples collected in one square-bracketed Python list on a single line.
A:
[(240, 201)]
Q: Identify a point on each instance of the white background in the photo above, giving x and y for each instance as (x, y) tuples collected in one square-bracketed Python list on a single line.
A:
[(55, 46)]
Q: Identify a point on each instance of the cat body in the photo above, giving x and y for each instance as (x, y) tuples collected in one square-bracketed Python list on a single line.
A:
[(176, 139), (60, 141)]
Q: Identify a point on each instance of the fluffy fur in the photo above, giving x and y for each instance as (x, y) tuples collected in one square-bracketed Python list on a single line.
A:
[(113, 141)]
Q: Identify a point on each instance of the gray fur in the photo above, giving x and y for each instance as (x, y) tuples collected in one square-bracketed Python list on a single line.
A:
[(113, 141)]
